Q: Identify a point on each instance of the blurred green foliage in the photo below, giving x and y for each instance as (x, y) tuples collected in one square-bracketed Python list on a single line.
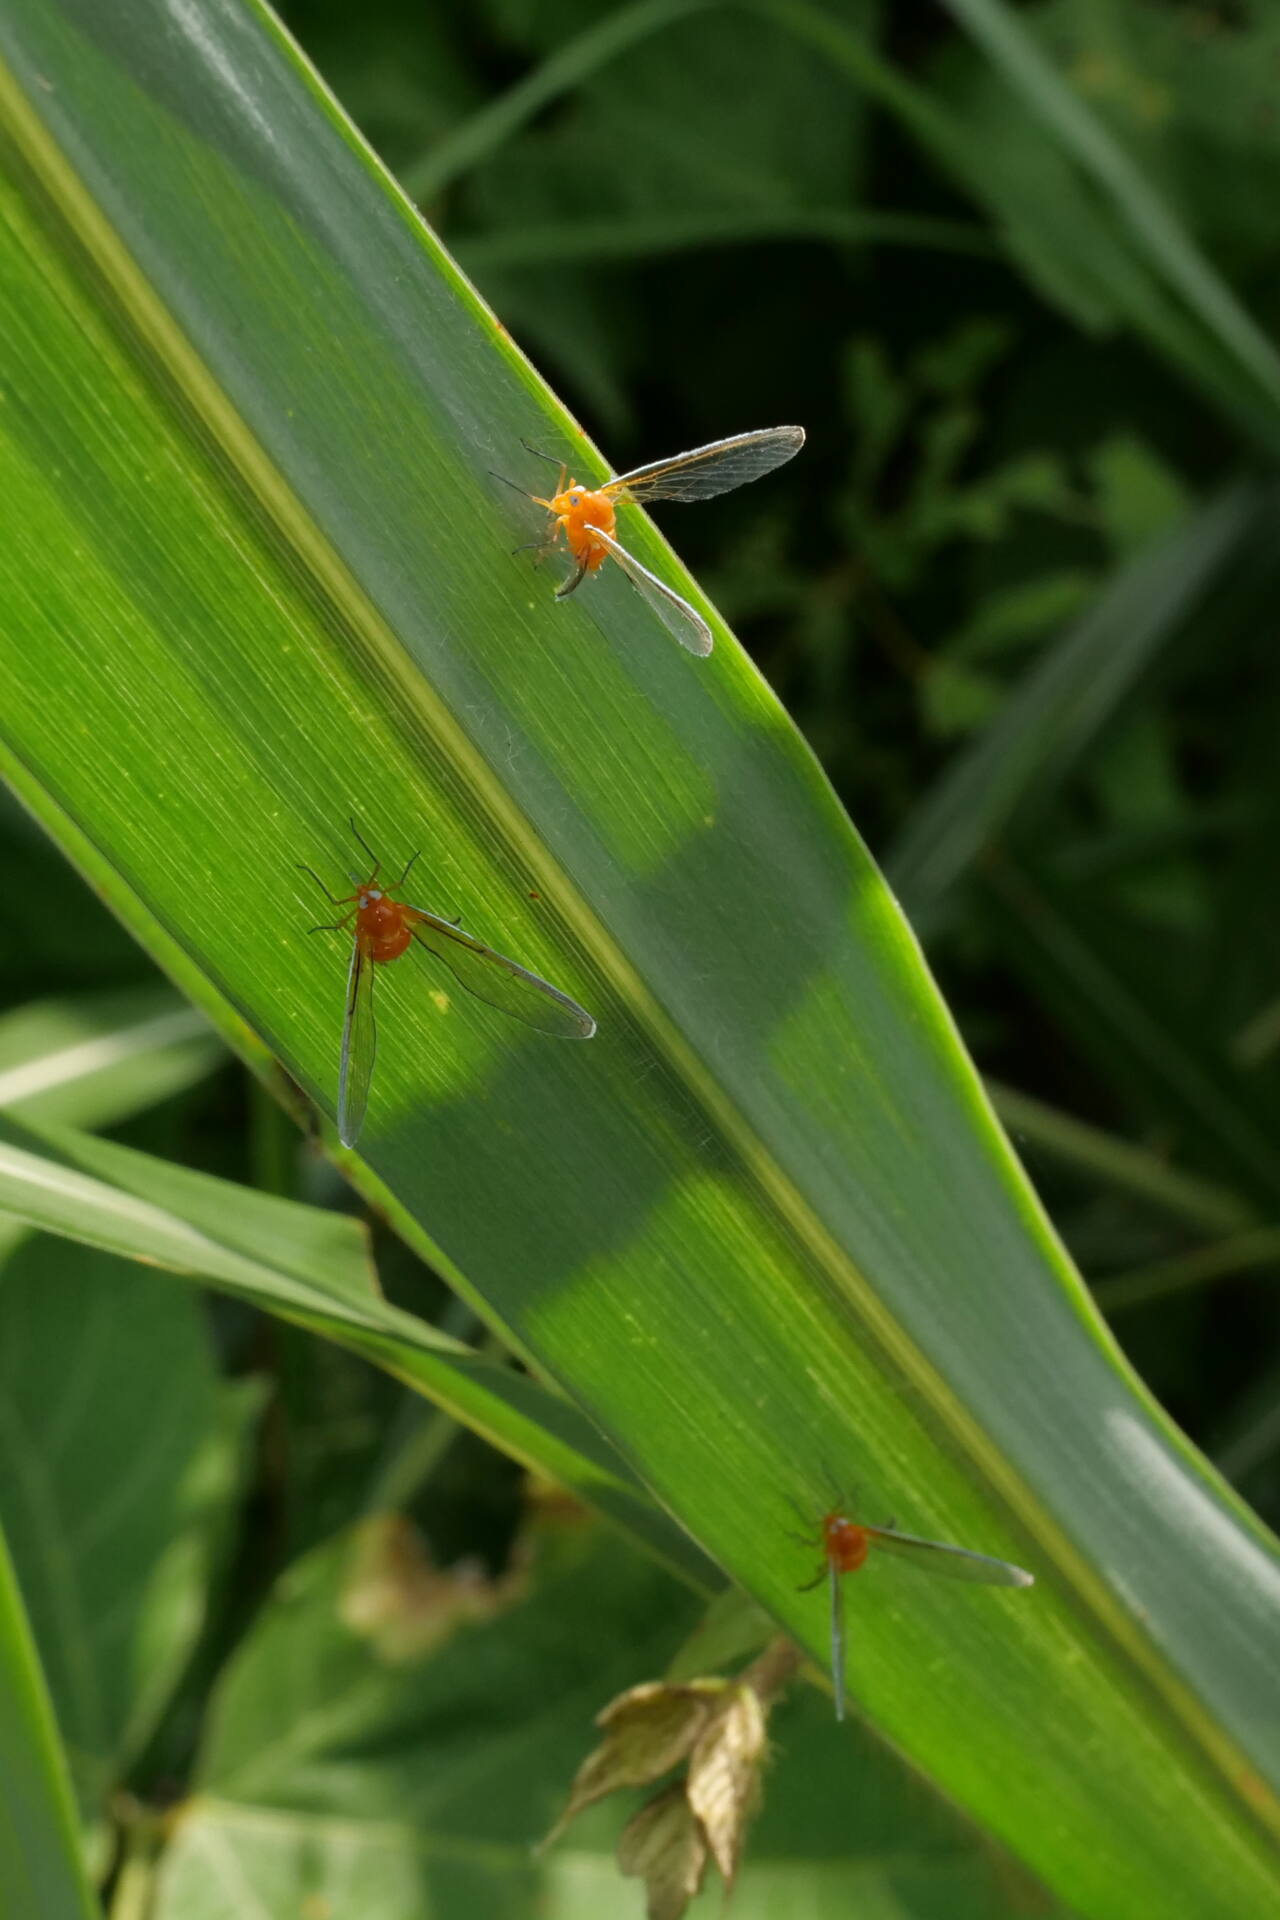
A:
[(697, 220)]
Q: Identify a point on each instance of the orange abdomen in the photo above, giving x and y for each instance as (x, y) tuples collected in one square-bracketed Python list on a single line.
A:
[(846, 1544), (383, 929)]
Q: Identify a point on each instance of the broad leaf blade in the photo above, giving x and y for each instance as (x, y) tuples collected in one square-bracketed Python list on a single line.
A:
[(361, 1748), (115, 1501)]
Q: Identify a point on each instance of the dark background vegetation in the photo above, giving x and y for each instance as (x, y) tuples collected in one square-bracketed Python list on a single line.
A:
[(1019, 593)]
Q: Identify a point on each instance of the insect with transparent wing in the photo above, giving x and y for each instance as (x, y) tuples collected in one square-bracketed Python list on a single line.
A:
[(845, 1544), (586, 517), (383, 928)]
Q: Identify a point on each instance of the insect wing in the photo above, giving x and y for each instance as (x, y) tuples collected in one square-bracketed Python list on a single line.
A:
[(359, 1044), (956, 1563), (837, 1637), (500, 982), (679, 618), (706, 471)]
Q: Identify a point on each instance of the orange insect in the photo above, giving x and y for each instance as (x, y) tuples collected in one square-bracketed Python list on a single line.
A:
[(384, 928), (586, 517), (845, 1546)]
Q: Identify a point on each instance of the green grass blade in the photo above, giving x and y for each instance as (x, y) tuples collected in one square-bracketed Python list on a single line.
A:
[(574, 61), (560, 243), (1137, 1171), (1057, 712), (765, 1221), (1076, 248), (1242, 1253), (1152, 226), (1118, 1015), (93, 1060), (40, 1866)]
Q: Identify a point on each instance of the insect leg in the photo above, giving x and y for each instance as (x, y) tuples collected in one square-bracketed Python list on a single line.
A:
[(562, 593), (837, 1642), (320, 883)]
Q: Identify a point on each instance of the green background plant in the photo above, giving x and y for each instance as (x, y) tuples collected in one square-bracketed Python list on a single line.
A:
[(764, 1222)]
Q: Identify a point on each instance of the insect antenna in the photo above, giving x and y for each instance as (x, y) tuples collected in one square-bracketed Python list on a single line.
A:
[(523, 491), (539, 455), (377, 864), (836, 1494), (408, 870)]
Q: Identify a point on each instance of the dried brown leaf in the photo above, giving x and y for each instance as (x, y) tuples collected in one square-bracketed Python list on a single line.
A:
[(723, 1786), (666, 1848), (649, 1730)]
